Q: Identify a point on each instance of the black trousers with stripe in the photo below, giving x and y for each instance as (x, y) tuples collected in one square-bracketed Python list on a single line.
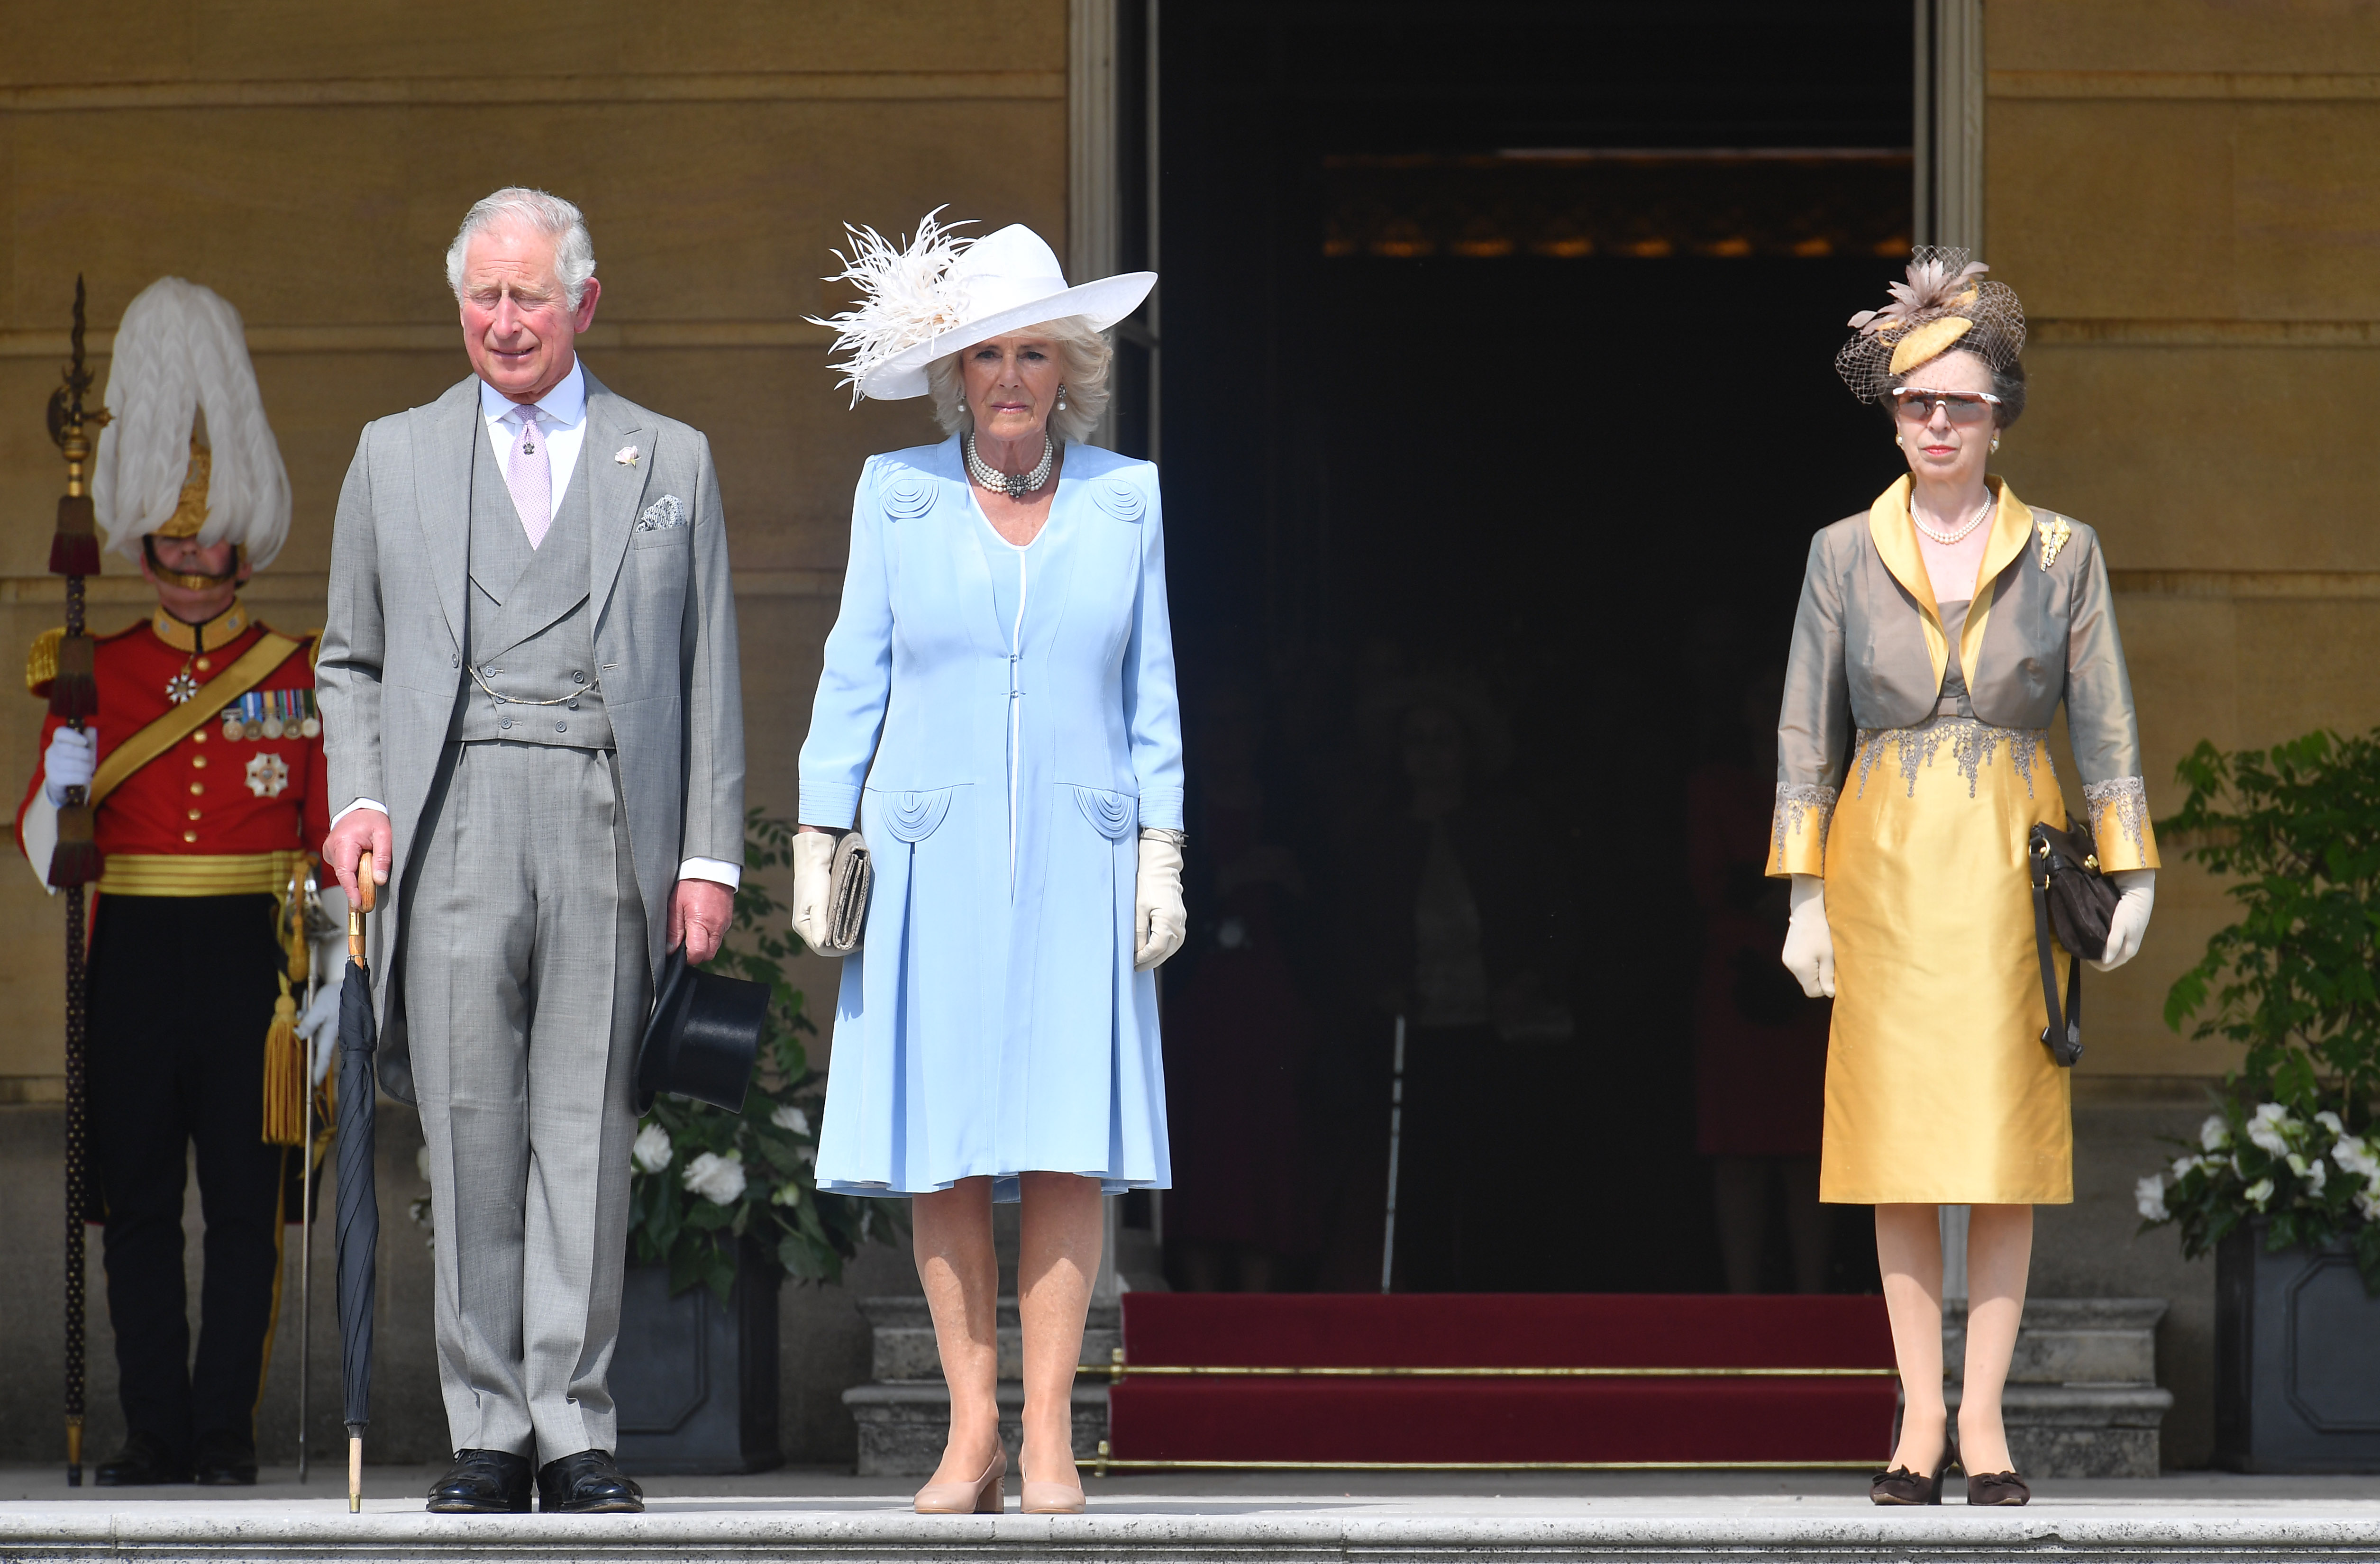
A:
[(182, 990)]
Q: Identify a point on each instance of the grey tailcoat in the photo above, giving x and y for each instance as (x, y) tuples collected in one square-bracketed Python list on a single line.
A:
[(664, 616)]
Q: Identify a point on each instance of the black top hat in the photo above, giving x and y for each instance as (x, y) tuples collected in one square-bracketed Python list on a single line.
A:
[(703, 1038)]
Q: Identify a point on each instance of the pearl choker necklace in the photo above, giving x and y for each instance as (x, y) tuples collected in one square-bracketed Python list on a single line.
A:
[(1947, 539), (1016, 485)]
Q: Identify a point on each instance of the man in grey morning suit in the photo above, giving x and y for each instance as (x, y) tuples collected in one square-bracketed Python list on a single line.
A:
[(531, 708)]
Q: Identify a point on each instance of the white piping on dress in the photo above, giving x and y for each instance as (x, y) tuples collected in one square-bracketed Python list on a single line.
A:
[(1016, 703)]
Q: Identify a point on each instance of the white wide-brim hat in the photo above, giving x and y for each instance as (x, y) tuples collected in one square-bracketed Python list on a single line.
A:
[(943, 294)]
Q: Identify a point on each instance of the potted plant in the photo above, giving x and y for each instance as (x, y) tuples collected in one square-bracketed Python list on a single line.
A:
[(722, 1209), (2283, 1184)]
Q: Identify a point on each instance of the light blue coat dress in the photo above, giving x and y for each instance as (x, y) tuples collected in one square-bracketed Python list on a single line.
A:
[(1001, 739)]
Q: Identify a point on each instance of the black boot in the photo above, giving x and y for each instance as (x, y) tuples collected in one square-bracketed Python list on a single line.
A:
[(226, 1461), (586, 1483), (142, 1462), (483, 1482)]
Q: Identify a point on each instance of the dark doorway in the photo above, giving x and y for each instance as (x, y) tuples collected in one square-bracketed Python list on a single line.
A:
[(1498, 413)]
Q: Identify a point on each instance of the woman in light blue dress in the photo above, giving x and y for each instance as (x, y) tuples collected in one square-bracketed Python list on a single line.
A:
[(997, 717)]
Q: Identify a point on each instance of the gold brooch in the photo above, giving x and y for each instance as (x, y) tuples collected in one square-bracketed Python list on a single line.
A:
[(2054, 533)]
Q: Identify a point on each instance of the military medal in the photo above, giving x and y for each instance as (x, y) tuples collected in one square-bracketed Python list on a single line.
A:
[(181, 687), (268, 774), (231, 724)]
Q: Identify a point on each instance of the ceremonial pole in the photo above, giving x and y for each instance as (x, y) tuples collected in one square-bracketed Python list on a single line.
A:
[(74, 863)]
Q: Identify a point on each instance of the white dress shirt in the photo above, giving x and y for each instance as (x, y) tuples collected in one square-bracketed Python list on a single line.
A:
[(564, 422)]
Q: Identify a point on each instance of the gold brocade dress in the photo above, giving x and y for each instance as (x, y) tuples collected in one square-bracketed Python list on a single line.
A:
[(1939, 1090)]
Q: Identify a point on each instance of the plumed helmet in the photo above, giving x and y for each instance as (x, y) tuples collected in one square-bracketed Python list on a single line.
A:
[(1945, 304), (187, 452)]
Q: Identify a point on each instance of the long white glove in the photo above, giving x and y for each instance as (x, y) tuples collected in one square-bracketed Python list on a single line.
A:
[(813, 877), (1809, 943), (1159, 924), (72, 757), (2131, 922)]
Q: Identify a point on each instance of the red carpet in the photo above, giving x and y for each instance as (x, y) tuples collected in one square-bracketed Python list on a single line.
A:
[(1729, 1418)]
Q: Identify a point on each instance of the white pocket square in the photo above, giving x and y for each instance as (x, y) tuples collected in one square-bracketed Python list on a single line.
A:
[(662, 515)]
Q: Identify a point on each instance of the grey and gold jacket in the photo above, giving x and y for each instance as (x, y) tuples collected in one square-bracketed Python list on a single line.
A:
[(1870, 653)]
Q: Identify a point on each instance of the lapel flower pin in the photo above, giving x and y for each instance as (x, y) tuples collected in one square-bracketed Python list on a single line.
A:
[(627, 456)]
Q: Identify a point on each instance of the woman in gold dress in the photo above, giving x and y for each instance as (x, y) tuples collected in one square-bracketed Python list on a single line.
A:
[(1936, 635)]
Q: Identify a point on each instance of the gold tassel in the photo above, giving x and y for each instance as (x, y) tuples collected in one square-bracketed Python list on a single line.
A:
[(285, 1075)]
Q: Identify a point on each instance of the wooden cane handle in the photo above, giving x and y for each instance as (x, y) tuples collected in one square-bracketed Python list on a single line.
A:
[(360, 906), (364, 879)]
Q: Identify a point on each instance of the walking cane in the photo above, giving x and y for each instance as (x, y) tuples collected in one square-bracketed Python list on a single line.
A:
[(358, 1219), (74, 862), (1396, 1135)]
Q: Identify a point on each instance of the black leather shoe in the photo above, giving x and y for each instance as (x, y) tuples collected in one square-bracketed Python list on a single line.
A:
[(482, 1483), (586, 1483), (226, 1461), (142, 1462)]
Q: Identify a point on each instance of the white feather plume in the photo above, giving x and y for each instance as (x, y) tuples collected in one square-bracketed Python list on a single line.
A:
[(181, 357), (907, 296)]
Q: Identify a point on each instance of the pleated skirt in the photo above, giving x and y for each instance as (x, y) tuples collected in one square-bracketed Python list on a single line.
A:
[(1939, 1087)]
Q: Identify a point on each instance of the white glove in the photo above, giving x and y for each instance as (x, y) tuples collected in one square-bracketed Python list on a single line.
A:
[(73, 756), (813, 877), (1158, 922), (2132, 916), (320, 1027), (1809, 943)]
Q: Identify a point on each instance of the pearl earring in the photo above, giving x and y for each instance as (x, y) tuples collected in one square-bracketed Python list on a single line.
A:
[(1898, 441), (1996, 442), (1061, 396)]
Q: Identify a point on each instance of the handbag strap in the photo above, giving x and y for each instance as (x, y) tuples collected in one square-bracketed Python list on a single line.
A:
[(2066, 1028)]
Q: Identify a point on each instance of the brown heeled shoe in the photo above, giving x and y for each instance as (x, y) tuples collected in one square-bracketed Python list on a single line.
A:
[(1901, 1485), (982, 1497), (1997, 1488)]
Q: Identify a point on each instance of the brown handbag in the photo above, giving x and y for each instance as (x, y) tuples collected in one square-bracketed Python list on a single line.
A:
[(2073, 903)]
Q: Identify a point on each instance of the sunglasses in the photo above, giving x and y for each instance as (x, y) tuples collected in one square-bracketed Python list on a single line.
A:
[(1911, 405)]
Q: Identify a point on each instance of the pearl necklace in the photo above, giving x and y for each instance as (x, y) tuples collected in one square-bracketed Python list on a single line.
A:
[(1016, 485), (1947, 539)]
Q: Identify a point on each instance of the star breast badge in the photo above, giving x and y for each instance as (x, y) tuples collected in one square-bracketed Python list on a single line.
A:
[(181, 687), (268, 774)]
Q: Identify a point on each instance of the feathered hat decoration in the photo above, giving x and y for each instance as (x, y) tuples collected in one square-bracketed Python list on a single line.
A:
[(942, 293), (1945, 303), (189, 452), (906, 295)]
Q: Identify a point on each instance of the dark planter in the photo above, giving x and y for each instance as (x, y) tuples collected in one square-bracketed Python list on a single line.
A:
[(696, 1384), (2297, 1359)]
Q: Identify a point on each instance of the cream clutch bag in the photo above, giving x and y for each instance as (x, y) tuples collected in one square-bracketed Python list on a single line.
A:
[(848, 883)]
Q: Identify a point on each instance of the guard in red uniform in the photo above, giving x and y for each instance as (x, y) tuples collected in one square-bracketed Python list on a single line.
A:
[(205, 763)]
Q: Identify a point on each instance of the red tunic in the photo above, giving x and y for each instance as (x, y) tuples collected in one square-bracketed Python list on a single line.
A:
[(206, 796)]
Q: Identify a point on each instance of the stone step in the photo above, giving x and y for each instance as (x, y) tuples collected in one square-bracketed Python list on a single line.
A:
[(2071, 1342), (1179, 1528), (904, 1338)]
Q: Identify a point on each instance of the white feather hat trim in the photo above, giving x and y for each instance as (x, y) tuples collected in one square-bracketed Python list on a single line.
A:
[(180, 352), (945, 293)]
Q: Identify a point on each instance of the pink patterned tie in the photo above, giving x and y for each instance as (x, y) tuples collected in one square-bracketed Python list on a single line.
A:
[(530, 475)]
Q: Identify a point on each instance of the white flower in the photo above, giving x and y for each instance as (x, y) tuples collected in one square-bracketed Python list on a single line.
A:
[(2183, 1167), (652, 1150), (2215, 1134), (2315, 1175), (788, 1194), (2149, 1194), (715, 1178), (627, 456), (2329, 1121), (2369, 1203), (2258, 1193), (2355, 1154), (421, 1163), (2266, 1128), (791, 1118)]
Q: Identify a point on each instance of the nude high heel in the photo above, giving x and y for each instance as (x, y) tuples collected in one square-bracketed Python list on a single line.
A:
[(1052, 1499), (982, 1497)]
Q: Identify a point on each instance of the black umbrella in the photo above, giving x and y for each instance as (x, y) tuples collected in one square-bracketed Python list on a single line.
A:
[(358, 1219)]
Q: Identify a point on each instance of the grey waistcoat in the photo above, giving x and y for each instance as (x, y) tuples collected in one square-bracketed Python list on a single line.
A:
[(529, 635)]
